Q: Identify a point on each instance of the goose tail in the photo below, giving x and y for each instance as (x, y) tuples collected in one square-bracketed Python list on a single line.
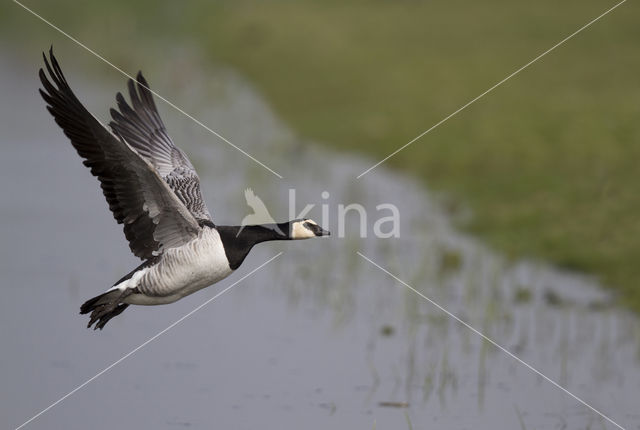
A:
[(103, 308)]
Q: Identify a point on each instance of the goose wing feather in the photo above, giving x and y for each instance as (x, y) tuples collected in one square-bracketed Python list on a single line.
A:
[(154, 217), (140, 125)]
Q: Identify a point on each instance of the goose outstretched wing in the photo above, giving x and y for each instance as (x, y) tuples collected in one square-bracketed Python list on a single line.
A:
[(154, 217), (140, 125)]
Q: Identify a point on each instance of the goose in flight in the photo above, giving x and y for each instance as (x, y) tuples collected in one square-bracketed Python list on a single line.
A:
[(153, 190)]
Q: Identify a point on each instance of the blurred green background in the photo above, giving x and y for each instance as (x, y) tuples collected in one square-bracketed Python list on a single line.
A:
[(547, 163)]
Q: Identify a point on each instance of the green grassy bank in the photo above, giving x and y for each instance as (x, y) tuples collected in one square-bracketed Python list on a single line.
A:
[(547, 162)]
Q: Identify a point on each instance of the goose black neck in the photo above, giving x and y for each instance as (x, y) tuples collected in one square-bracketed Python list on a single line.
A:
[(238, 240)]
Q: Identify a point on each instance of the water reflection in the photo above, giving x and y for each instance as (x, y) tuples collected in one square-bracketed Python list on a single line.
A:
[(320, 338)]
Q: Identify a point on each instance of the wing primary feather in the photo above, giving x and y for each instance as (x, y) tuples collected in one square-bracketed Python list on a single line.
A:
[(140, 125), (154, 217)]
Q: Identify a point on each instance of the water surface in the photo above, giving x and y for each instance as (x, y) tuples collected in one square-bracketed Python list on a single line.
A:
[(318, 339)]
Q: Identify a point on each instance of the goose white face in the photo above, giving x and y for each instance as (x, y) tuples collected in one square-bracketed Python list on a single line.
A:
[(306, 229)]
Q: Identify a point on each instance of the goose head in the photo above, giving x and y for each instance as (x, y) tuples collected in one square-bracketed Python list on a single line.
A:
[(306, 229)]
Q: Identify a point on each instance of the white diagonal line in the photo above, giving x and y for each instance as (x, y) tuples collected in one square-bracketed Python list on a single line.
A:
[(491, 341), (142, 345), (209, 129), (446, 118)]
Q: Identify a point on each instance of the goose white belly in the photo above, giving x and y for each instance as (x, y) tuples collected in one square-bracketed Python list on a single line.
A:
[(181, 271)]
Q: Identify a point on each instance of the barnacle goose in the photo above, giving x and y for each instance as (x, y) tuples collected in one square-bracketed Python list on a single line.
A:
[(152, 188)]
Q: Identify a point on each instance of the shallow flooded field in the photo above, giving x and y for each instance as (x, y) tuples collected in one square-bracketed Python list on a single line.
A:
[(319, 338)]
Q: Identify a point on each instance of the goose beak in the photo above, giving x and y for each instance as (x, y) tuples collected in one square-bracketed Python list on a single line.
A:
[(319, 231)]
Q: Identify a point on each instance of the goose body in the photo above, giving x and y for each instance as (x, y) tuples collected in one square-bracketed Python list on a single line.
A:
[(179, 271), (154, 191)]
